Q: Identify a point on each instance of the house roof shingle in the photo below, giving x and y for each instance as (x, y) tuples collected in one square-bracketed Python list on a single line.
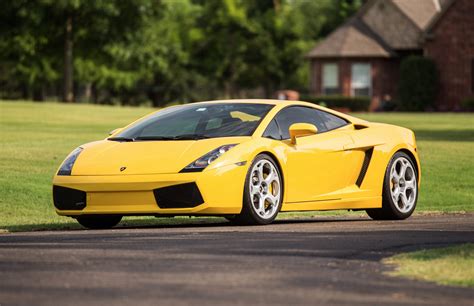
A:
[(356, 39), (445, 5), (419, 11), (353, 39)]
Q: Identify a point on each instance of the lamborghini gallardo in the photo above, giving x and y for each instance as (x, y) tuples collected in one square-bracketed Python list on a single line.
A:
[(246, 160)]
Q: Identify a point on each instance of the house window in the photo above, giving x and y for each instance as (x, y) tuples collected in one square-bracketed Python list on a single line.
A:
[(330, 79), (361, 80)]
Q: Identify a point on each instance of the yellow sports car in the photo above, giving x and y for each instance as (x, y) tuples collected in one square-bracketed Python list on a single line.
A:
[(246, 160)]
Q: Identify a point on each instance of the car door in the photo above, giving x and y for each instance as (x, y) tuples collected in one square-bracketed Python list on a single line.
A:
[(317, 166)]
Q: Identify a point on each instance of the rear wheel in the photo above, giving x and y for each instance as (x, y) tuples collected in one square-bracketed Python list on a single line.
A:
[(400, 190), (263, 192), (99, 221)]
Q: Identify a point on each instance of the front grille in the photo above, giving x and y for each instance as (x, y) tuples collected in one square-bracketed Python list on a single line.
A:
[(68, 198), (178, 196)]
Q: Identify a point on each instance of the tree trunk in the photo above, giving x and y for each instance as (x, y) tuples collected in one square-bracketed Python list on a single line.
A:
[(68, 93), (25, 92), (276, 5), (88, 92), (227, 89), (38, 94), (94, 93), (268, 91)]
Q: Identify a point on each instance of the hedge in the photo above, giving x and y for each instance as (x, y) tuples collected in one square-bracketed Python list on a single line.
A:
[(418, 83), (468, 104), (355, 104)]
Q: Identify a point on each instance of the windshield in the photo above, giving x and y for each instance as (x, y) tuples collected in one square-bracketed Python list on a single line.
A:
[(197, 121)]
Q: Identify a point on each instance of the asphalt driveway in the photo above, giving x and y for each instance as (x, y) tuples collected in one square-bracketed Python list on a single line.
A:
[(325, 260)]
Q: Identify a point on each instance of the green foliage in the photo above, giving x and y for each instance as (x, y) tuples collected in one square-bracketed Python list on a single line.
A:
[(355, 104), (468, 104), (25, 51), (134, 51), (418, 83), (32, 38)]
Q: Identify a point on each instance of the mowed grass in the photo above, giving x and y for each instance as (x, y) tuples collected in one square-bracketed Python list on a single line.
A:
[(446, 266), (36, 137)]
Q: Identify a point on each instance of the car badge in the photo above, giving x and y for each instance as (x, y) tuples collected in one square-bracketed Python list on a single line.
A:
[(122, 168)]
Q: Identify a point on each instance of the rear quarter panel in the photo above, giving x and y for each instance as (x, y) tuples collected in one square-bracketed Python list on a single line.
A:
[(386, 141)]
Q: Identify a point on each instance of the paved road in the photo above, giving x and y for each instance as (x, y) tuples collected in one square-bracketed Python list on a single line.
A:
[(318, 261)]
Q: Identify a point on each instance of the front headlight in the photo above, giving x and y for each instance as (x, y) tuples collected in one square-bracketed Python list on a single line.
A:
[(205, 160), (66, 167)]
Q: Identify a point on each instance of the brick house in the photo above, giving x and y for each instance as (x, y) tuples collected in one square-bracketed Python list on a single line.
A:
[(362, 57)]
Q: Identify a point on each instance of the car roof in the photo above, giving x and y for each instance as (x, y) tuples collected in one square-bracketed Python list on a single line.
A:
[(282, 104), (246, 101)]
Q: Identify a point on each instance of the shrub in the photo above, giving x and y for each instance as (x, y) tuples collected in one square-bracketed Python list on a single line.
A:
[(468, 104), (418, 83), (355, 104)]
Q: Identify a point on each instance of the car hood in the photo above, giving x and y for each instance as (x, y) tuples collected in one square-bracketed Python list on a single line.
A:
[(144, 157)]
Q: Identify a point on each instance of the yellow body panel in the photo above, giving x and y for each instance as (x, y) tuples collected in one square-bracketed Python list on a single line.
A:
[(133, 194), (319, 171)]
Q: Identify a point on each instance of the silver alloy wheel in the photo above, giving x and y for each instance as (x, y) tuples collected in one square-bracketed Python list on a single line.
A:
[(403, 184), (265, 189)]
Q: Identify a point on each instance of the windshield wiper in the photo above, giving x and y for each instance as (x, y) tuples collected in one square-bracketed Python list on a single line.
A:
[(191, 137), (178, 137), (121, 138), (153, 138)]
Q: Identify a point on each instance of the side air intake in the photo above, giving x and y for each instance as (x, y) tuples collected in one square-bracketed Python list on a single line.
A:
[(68, 198), (178, 196), (365, 166)]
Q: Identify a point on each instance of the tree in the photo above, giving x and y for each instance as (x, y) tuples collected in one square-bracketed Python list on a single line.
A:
[(220, 54), (136, 51), (26, 47), (49, 30), (93, 26), (275, 52), (165, 53)]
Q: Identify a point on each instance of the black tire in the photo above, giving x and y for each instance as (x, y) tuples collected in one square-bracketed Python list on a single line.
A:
[(248, 215), (99, 221), (390, 210)]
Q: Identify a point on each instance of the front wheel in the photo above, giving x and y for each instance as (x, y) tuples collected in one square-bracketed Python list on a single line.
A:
[(263, 192), (400, 190), (99, 221)]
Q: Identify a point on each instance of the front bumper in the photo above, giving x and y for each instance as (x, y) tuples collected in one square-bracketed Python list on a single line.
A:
[(221, 190)]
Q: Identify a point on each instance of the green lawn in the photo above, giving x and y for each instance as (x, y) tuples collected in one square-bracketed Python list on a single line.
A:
[(446, 266), (35, 138)]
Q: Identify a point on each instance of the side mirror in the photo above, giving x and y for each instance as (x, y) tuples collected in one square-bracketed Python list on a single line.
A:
[(300, 130), (115, 131)]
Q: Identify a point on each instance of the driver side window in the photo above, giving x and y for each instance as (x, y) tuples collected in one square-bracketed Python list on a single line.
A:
[(298, 114), (278, 127)]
